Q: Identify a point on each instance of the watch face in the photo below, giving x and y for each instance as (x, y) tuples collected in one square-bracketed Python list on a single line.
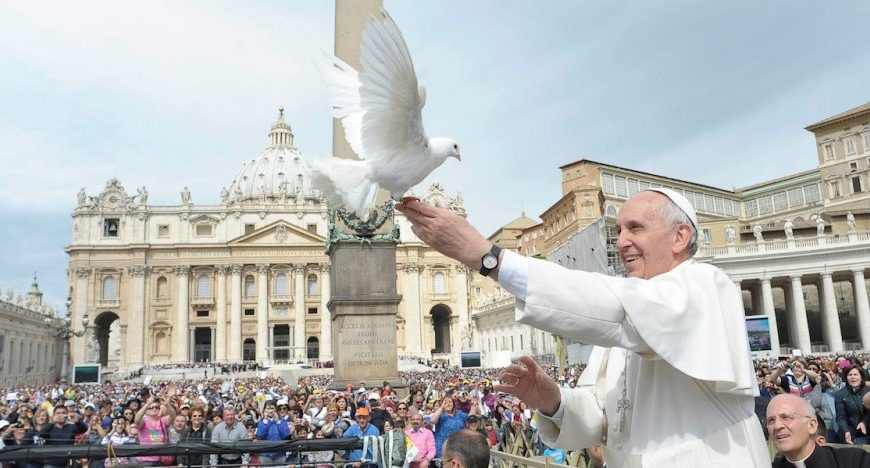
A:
[(490, 261)]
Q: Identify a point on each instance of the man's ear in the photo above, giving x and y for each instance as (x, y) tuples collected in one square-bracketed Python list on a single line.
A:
[(682, 238)]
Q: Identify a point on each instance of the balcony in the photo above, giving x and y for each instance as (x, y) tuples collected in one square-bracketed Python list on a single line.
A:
[(798, 244), (281, 299), (202, 300), (108, 303)]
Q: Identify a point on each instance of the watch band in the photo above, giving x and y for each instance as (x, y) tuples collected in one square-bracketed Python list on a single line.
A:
[(494, 251)]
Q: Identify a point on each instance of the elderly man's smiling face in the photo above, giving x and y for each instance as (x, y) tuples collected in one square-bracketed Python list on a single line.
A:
[(649, 244), (792, 426)]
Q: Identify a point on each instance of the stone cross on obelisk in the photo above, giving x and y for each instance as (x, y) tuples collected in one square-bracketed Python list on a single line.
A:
[(364, 300)]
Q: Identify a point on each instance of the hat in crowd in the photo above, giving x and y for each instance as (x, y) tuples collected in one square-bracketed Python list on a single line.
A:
[(473, 418), (283, 402), (682, 203), (374, 396), (69, 403), (316, 391), (91, 406), (362, 412), (3, 424), (186, 405)]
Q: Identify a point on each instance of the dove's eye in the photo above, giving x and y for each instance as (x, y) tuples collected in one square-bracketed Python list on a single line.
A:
[(456, 147)]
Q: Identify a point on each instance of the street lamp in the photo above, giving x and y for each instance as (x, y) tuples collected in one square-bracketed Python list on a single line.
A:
[(65, 333)]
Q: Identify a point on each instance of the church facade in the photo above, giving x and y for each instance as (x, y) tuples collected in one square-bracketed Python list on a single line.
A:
[(243, 279)]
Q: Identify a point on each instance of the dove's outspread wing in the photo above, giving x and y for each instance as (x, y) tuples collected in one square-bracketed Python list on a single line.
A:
[(380, 108)]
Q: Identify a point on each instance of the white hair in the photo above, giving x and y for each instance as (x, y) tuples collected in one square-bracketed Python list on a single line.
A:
[(670, 212)]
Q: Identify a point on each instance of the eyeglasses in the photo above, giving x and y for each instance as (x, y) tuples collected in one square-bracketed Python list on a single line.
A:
[(196, 416), (403, 408), (786, 419), (153, 407)]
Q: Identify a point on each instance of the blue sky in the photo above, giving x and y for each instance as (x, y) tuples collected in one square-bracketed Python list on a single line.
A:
[(167, 94)]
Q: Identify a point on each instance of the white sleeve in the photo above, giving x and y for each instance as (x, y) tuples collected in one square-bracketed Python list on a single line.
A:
[(577, 424), (513, 273)]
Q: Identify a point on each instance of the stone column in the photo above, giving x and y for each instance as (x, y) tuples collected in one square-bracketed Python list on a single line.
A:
[(862, 307), (830, 317), (80, 305), (461, 289), (325, 315), (136, 339), (411, 301), (182, 314), (221, 326), (800, 311), (770, 311), (299, 344), (235, 313), (262, 312)]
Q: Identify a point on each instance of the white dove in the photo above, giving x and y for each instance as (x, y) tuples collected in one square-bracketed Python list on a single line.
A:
[(380, 110)]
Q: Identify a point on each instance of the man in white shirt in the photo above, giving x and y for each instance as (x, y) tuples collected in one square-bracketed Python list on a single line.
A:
[(670, 382)]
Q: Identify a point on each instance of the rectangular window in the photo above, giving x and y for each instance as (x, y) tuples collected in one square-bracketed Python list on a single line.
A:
[(521, 343), (708, 235), (849, 144), (751, 208), (765, 205), (865, 139), (203, 229), (250, 227), (812, 193), (312, 228), (512, 343), (720, 205), (621, 186), (708, 203), (607, 184), (632, 187), (312, 311), (828, 150), (834, 189), (853, 166), (250, 312), (780, 201), (795, 197), (856, 184), (202, 313), (163, 230), (642, 185), (111, 227)]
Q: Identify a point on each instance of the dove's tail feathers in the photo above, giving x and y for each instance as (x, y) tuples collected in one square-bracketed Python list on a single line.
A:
[(345, 182)]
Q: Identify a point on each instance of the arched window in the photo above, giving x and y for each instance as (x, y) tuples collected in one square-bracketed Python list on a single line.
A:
[(110, 288), (203, 286), (439, 283), (162, 287), (249, 286), (312, 285), (282, 285)]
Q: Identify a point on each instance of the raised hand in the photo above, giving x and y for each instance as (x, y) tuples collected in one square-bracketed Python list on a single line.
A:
[(530, 383)]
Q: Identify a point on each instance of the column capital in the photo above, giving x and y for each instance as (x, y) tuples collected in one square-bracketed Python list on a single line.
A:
[(826, 274), (138, 270), (857, 270), (765, 280), (297, 267), (795, 276), (221, 269), (181, 270), (460, 268), (262, 268), (83, 272), (236, 268), (325, 267), (412, 267)]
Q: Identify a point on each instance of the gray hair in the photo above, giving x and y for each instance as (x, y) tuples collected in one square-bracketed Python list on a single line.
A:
[(671, 213), (469, 446)]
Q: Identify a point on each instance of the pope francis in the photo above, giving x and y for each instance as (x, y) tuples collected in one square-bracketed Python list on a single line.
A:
[(670, 382)]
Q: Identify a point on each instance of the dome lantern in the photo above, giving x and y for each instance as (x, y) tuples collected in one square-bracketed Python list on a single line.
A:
[(281, 134)]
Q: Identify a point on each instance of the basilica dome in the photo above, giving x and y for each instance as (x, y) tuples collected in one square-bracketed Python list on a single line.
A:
[(280, 171)]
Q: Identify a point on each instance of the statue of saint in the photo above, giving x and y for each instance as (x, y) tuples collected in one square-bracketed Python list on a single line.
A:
[(730, 234), (143, 195), (756, 231), (225, 195), (789, 229), (850, 221), (185, 196), (82, 197), (820, 226)]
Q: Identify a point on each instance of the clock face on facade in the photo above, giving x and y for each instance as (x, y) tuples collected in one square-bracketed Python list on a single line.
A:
[(112, 199)]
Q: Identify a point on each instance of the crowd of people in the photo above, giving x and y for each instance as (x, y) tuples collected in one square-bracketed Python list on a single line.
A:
[(222, 408)]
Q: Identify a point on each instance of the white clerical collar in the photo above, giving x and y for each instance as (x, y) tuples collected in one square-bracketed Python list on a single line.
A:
[(801, 463)]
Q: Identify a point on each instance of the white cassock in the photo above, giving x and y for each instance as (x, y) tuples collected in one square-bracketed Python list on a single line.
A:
[(681, 339)]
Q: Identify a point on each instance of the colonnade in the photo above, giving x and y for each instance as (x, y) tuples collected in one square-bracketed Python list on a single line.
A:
[(762, 303)]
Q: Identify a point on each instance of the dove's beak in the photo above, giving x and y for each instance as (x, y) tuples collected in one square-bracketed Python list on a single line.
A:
[(458, 157)]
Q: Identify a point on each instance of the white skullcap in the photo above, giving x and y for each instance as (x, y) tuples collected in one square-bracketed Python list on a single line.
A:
[(681, 202)]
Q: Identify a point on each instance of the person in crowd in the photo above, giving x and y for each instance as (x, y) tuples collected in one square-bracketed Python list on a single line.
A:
[(795, 377), (793, 426), (377, 414), (823, 402), (271, 427), (61, 431), (118, 435), (648, 328), (316, 410), (129, 415), (196, 431), (473, 423), (491, 433), (227, 432), (465, 449), (39, 421), (152, 422), (360, 429), (423, 440), (447, 420), (402, 413), (179, 424), (849, 406)]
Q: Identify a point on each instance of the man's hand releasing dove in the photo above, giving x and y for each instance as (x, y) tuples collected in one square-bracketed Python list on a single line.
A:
[(380, 110)]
